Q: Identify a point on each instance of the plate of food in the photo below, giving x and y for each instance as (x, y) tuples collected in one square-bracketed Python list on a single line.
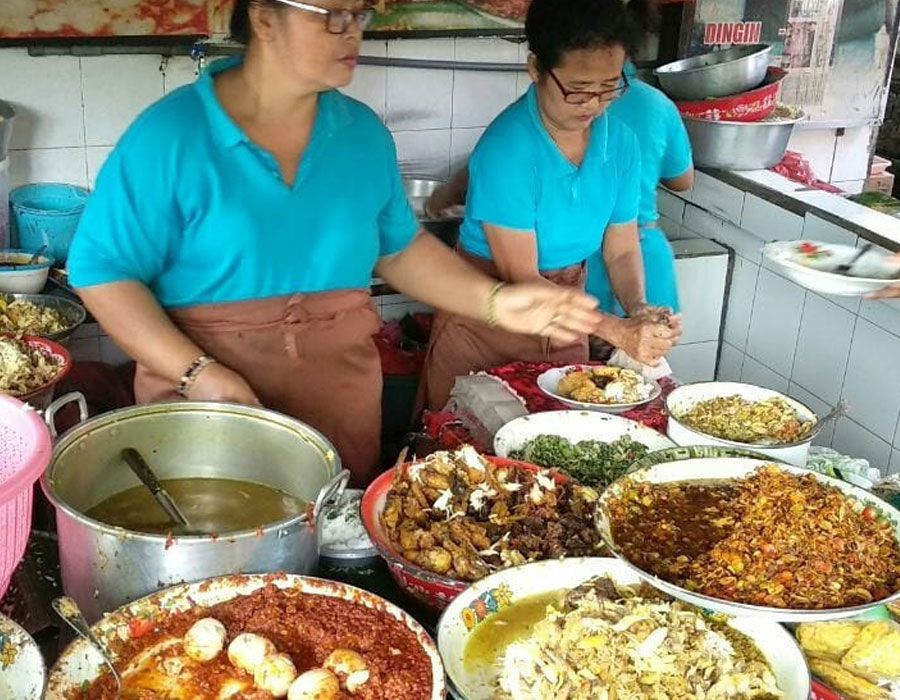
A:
[(30, 367), (41, 315), (744, 536), (814, 265), (22, 671), (598, 387), (274, 635), (589, 628), (507, 13), (730, 414), (455, 517), (593, 448)]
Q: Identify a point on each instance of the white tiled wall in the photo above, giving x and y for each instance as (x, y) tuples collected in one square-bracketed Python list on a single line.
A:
[(818, 350), (71, 110)]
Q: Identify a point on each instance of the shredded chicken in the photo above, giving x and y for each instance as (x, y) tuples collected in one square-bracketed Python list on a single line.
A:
[(24, 369)]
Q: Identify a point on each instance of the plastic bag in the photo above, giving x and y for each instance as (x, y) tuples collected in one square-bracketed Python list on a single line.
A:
[(851, 469)]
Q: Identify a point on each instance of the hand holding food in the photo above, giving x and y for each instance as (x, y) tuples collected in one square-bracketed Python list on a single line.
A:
[(546, 310), (644, 338)]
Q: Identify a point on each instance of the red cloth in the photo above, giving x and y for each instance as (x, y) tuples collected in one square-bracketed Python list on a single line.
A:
[(521, 379), (402, 347)]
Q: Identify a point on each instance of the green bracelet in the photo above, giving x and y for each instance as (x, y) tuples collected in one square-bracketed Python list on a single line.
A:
[(492, 304)]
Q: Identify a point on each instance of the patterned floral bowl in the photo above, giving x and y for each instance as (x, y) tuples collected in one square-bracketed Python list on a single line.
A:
[(433, 590), (505, 588), (22, 672)]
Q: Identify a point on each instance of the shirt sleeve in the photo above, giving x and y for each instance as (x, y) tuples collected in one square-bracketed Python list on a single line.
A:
[(503, 183), (677, 159), (397, 223), (131, 224), (625, 209)]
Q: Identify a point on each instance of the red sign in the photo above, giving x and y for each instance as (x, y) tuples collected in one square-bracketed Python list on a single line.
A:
[(732, 33)]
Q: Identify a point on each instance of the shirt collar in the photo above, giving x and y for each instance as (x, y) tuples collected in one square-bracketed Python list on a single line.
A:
[(597, 148), (332, 112), (630, 69)]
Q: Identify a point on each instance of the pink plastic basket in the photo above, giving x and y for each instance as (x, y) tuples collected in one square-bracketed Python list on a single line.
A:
[(24, 454)]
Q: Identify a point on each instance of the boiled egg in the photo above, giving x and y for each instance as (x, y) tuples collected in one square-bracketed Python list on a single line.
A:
[(248, 650), (317, 684), (275, 674), (350, 667), (205, 640)]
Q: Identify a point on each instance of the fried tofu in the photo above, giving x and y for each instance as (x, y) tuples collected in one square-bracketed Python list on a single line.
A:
[(828, 640), (876, 652), (850, 686)]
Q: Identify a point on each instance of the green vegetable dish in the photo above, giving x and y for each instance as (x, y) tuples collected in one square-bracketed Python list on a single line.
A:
[(591, 462)]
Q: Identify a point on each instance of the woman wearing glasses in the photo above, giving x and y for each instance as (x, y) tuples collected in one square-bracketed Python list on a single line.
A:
[(552, 180), (231, 239)]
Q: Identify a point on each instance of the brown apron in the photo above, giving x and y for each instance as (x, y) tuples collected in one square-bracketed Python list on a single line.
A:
[(307, 356), (460, 345)]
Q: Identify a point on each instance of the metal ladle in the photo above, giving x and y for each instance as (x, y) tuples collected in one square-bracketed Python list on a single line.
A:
[(148, 478), (70, 613)]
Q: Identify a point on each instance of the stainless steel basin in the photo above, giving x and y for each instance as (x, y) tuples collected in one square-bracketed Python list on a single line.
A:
[(715, 74), (739, 145)]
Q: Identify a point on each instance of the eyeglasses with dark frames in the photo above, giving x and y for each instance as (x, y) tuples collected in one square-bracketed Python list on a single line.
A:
[(337, 21), (582, 97)]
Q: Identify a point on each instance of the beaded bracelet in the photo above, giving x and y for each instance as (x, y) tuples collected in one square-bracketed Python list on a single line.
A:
[(491, 315), (190, 376)]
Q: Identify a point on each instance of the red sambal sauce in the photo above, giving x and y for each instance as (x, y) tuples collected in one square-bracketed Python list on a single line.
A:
[(307, 628)]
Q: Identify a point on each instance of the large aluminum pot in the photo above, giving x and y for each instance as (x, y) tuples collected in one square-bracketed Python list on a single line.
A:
[(739, 145), (715, 74), (104, 567)]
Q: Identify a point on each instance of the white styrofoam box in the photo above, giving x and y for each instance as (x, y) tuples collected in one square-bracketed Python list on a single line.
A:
[(701, 290), (179, 71), (462, 143), (419, 99), (96, 157), (853, 440), (5, 233), (478, 97), (872, 383), (851, 154), (740, 302), (775, 322), (823, 348), (815, 228), (817, 146), (116, 90), (894, 467), (754, 373), (46, 94), (48, 165), (424, 153), (769, 221), (731, 362), (721, 199), (821, 408), (694, 362), (669, 205)]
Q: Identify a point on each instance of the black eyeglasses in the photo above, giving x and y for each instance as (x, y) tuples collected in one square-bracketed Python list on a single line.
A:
[(337, 21), (582, 97)]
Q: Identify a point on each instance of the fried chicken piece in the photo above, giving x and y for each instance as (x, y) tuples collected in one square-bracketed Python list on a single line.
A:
[(436, 559), (434, 479), (392, 511), (414, 511), (573, 381), (588, 394)]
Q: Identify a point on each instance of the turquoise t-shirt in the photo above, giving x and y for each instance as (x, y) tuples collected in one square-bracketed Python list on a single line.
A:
[(520, 180), (665, 148), (189, 206)]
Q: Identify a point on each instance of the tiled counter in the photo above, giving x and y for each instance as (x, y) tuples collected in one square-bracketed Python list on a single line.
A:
[(819, 349)]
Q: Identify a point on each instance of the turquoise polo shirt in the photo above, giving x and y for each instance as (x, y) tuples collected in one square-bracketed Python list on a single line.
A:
[(189, 206), (665, 148), (520, 180)]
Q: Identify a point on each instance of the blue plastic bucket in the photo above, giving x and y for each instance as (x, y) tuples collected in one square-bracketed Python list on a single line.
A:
[(47, 213)]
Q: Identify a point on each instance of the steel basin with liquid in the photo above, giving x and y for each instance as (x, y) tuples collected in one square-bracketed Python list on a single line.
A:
[(104, 567)]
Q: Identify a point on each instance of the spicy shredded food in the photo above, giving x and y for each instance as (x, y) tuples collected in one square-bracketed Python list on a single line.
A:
[(772, 539), (734, 418), (306, 627)]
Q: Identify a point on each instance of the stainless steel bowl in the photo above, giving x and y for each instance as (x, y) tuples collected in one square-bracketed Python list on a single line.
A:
[(7, 117), (715, 74), (739, 145), (72, 313), (418, 190)]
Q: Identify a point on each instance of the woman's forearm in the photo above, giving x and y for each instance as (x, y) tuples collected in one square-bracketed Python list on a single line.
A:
[(625, 266), (432, 273), (137, 323)]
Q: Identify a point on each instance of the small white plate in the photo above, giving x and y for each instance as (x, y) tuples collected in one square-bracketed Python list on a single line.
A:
[(872, 272), (550, 379), (575, 426)]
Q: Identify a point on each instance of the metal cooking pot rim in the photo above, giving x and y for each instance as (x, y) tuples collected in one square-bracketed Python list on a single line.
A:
[(672, 68), (70, 436), (802, 116)]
